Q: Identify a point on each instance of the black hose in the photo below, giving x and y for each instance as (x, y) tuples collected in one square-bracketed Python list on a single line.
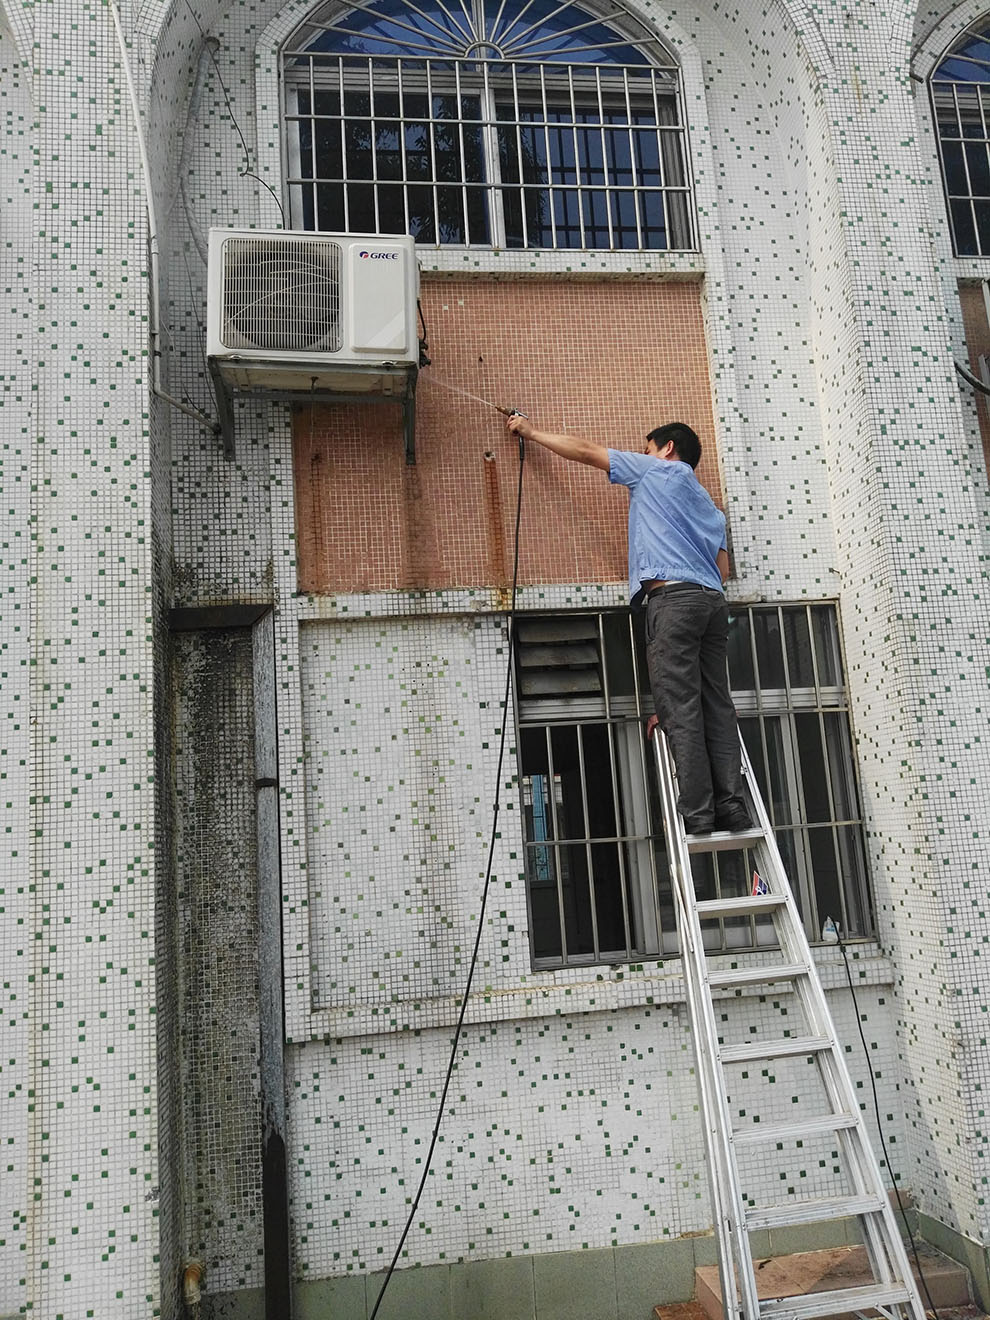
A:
[(975, 381), (484, 900)]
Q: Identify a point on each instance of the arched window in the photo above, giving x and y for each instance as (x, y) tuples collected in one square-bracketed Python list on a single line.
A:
[(492, 123), (961, 101)]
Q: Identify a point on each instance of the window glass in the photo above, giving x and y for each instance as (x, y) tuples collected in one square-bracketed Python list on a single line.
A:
[(532, 125), (619, 646), (839, 758), (811, 755), (797, 643), (742, 675), (775, 735), (769, 653), (960, 91), (826, 635)]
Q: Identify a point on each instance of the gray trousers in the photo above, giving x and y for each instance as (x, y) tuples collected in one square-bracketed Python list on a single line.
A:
[(686, 633)]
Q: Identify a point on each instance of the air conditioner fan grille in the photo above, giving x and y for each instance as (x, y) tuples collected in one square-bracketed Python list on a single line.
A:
[(281, 295)]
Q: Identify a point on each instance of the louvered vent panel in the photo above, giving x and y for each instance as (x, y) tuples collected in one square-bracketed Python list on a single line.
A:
[(558, 660), (282, 295)]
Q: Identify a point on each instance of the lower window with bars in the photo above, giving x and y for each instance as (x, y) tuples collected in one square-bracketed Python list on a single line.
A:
[(596, 858)]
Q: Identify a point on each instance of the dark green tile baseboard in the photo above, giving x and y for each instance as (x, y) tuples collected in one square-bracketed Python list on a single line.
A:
[(620, 1283), (963, 1249)]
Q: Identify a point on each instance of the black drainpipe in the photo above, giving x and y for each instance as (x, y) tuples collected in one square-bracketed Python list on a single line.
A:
[(271, 999)]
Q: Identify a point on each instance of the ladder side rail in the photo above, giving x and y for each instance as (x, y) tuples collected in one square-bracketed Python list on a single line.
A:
[(730, 1232), (883, 1242), (885, 1248), (727, 1226), (841, 1100), (734, 1257), (793, 941), (880, 1237), (856, 1150)]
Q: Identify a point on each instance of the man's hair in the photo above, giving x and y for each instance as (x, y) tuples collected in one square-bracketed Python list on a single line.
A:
[(687, 446)]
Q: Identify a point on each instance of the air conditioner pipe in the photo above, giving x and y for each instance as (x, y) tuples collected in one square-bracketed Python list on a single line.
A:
[(967, 375), (149, 202)]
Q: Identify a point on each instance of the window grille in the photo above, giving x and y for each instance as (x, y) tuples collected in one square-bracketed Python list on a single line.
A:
[(785, 669), (531, 126), (960, 89), (596, 860)]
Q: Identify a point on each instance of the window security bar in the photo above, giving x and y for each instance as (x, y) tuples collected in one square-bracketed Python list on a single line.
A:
[(596, 859), (481, 152), (960, 93)]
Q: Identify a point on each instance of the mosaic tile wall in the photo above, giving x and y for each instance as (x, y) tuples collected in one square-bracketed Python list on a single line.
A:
[(17, 908), (903, 524), (392, 916), (82, 1175), (562, 1133), (850, 470)]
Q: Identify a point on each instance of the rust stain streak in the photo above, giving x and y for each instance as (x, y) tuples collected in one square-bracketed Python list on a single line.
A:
[(495, 526)]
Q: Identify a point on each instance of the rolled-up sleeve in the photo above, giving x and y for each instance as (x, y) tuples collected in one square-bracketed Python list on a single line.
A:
[(625, 468)]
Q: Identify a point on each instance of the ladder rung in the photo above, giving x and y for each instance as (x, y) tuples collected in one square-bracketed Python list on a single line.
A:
[(746, 905), (756, 975), (723, 840), (837, 1301), (774, 1049), (813, 1212), (764, 1132)]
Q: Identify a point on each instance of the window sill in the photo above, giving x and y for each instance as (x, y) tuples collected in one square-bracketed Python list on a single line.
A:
[(564, 263), (972, 270), (574, 990), (417, 602)]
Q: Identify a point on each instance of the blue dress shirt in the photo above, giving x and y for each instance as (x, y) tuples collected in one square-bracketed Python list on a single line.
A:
[(675, 528)]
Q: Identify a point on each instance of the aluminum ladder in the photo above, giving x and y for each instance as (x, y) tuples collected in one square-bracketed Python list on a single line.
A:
[(893, 1292)]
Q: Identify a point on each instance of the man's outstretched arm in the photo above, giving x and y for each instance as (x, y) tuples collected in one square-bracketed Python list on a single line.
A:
[(571, 447)]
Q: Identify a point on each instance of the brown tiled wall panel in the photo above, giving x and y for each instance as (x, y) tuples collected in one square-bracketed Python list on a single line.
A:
[(609, 361), (977, 342)]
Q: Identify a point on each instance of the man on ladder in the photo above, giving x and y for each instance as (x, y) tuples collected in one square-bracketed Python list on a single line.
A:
[(677, 566), (678, 561)]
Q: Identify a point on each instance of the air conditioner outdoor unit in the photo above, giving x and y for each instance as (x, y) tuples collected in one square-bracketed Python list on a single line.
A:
[(303, 313)]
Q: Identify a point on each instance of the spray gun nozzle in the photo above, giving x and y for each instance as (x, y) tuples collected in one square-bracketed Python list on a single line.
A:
[(511, 412)]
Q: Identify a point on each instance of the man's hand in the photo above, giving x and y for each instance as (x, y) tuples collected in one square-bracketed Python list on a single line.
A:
[(571, 447), (651, 725), (520, 425)]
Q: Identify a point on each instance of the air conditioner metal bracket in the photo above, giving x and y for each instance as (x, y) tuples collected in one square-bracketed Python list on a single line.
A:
[(387, 384), (225, 408)]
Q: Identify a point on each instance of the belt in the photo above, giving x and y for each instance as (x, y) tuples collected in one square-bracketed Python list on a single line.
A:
[(677, 586)]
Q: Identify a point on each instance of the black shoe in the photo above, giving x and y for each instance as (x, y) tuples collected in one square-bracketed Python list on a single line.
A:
[(696, 825), (735, 821)]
